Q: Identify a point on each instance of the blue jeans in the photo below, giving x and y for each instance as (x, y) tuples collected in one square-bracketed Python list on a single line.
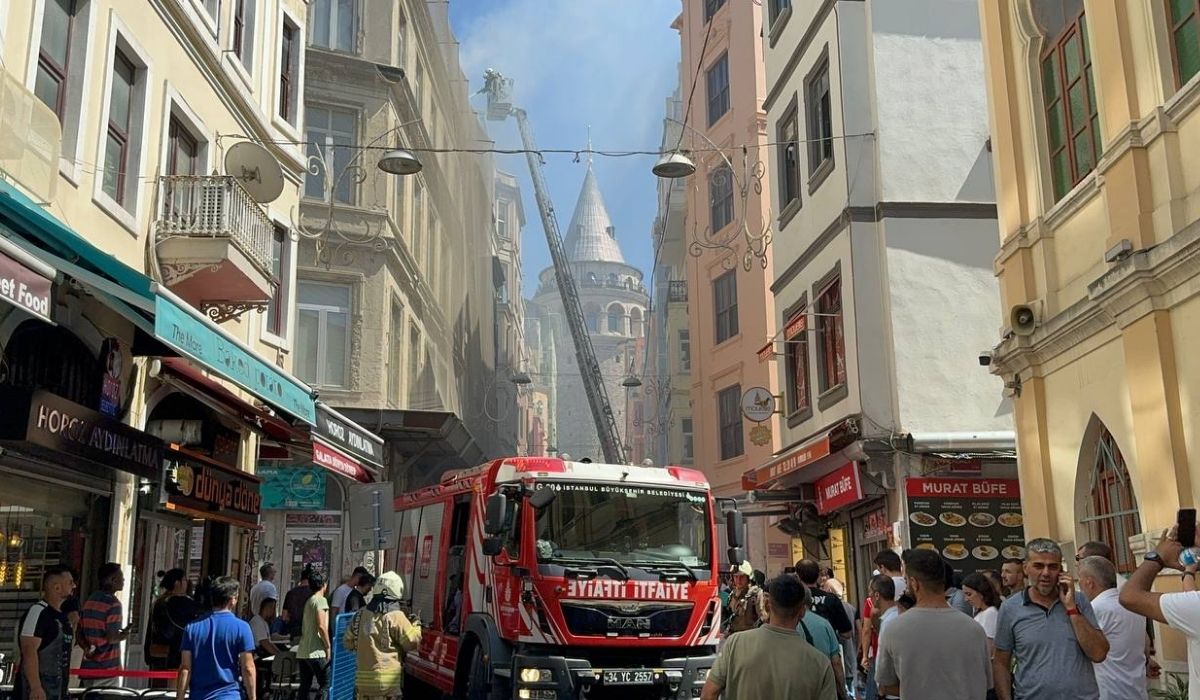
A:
[(872, 691)]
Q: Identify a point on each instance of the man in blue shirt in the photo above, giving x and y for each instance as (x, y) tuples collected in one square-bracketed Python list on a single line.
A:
[(215, 648)]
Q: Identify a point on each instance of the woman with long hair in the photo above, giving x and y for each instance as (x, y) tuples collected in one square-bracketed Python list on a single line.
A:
[(171, 613), (985, 600)]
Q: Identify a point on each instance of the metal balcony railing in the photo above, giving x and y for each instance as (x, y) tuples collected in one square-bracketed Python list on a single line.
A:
[(677, 290), (215, 206)]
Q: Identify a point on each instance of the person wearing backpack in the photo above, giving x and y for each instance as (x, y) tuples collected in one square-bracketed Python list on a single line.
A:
[(170, 615)]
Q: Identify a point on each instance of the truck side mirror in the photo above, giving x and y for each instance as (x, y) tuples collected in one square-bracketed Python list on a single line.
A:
[(497, 514), (736, 556), (734, 526), (542, 498)]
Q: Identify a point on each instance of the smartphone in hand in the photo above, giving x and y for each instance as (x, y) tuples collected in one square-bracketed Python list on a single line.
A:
[(1185, 527)]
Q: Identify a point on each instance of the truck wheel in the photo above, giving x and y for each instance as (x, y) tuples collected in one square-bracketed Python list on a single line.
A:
[(479, 678)]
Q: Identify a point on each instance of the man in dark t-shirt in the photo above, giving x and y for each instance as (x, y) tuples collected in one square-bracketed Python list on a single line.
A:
[(824, 604), (294, 602), (44, 636)]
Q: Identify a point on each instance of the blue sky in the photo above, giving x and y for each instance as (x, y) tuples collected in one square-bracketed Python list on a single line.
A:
[(610, 64)]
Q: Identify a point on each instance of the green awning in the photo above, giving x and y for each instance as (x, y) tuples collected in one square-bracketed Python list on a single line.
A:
[(151, 308)]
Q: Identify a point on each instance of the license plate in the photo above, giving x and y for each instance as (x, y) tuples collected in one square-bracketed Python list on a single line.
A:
[(628, 677)]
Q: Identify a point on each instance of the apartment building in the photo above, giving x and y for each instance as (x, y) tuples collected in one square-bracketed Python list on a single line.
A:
[(514, 419), (1095, 126), (151, 167), (884, 212), (728, 292)]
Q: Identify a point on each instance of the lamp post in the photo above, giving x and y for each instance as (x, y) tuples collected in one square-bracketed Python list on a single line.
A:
[(398, 161), (676, 164)]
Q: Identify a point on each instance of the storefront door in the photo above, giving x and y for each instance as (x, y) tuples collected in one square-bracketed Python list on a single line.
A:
[(870, 527), (162, 544)]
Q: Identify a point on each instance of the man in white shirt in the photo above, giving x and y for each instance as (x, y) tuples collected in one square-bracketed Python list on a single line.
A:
[(1122, 674), (337, 602), (1179, 610), (263, 589)]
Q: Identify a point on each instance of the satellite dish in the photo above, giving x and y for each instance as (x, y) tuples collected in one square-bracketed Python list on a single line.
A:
[(257, 170)]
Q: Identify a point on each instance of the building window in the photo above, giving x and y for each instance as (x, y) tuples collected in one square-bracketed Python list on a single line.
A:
[(616, 319), (502, 218), (277, 305), (54, 55), (788, 149), (395, 370), (1072, 121), (635, 322), (819, 115), (213, 8), (717, 80), (418, 83), (685, 350), (414, 363), (832, 345), (774, 8), (729, 407), (244, 15), (289, 72), (333, 24), (796, 342), (711, 7), (119, 136), (183, 149), (685, 425), (323, 334), (1184, 18), (1112, 513), (725, 301), (720, 198), (331, 135), (418, 220)]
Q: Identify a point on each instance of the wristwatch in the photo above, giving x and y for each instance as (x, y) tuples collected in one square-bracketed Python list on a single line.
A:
[(1155, 557)]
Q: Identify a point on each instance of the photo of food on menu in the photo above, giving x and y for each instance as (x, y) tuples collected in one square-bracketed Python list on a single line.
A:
[(974, 523)]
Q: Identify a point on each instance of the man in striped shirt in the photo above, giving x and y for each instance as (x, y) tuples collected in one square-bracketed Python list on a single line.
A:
[(100, 626)]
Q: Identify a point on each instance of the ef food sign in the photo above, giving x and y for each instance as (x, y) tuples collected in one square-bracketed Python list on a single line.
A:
[(24, 288)]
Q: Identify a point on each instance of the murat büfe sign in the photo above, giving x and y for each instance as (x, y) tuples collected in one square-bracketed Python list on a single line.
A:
[(974, 523), (57, 424)]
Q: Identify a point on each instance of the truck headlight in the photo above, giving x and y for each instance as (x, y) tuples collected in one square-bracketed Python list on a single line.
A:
[(701, 675), (536, 675)]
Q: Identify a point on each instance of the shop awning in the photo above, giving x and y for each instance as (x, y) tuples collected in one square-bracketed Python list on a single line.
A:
[(185, 375), (151, 308), (424, 443), (809, 461)]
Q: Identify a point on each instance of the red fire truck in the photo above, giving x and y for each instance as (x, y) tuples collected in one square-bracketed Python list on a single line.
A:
[(540, 578)]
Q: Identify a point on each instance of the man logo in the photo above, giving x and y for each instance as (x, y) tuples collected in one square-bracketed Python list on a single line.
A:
[(630, 608), (629, 623)]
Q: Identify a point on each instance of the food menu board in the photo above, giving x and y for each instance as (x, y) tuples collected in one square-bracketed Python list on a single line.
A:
[(974, 523)]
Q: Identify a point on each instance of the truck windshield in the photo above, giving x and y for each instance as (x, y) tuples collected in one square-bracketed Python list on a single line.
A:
[(642, 526)]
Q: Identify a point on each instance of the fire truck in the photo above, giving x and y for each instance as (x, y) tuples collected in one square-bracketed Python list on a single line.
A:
[(540, 578)]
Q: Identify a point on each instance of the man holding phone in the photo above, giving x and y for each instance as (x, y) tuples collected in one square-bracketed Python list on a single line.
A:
[(1179, 610), (1051, 632)]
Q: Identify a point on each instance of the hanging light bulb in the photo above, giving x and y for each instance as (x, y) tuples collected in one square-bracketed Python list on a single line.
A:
[(3, 571), (19, 574), (15, 539)]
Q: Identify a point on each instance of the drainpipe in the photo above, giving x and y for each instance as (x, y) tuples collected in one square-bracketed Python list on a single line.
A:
[(982, 441)]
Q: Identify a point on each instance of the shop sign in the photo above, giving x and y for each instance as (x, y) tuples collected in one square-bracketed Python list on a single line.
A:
[(788, 463), (110, 383), (349, 437), (931, 466), (795, 327), (292, 488), (24, 288), (839, 488), (974, 523), (777, 549), (766, 352), (206, 490), (758, 404), (317, 520), (64, 426), (189, 335), (797, 549), (761, 434), (338, 463)]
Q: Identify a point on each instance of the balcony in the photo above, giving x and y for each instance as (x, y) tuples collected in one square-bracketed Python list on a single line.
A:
[(677, 290), (214, 245)]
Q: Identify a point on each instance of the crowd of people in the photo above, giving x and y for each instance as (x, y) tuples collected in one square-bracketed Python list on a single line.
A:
[(1030, 631), (196, 635)]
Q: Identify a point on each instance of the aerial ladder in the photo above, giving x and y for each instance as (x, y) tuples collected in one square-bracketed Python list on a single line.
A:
[(500, 107)]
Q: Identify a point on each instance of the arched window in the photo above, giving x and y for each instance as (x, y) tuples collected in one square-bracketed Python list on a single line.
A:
[(616, 319), (1112, 513), (635, 323), (39, 356)]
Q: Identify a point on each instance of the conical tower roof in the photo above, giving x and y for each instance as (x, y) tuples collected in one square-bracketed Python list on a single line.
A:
[(591, 237)]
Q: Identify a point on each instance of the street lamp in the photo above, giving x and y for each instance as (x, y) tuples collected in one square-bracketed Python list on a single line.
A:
[(631, 382), (400, 162), (675, 165), (521, 378)]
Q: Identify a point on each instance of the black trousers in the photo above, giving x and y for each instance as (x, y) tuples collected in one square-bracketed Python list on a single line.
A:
[(310, 669)]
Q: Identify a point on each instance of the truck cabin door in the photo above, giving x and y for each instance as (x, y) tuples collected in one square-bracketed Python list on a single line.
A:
[(460, 522)]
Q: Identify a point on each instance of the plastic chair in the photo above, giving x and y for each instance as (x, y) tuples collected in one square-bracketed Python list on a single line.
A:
[(284, 668)]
